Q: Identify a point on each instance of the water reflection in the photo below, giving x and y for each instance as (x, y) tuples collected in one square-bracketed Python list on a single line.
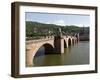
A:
[(76, 54)]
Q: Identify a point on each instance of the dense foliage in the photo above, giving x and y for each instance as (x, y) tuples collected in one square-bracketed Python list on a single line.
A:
[(34, 29)]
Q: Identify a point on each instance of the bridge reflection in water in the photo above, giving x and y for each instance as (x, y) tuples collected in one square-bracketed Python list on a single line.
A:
[(51, 45)]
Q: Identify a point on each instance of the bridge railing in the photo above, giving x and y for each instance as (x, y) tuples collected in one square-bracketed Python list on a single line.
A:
[(39, 40), (39, 37)]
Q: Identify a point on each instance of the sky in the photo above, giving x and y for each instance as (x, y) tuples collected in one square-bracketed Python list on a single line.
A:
[(58, 19)]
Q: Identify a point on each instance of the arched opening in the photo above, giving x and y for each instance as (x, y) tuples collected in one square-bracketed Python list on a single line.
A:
[(41, 54), (44, 49), (65, 44), (48, 48), (72, 41), (69, 42)]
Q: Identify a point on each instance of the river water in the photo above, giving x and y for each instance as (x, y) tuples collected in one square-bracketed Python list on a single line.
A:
[(74, 55)]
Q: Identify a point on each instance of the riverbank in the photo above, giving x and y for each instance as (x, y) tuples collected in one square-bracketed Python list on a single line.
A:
[(84, 38)]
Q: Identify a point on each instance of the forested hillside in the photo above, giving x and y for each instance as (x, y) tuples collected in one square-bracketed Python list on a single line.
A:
[(34, 29)]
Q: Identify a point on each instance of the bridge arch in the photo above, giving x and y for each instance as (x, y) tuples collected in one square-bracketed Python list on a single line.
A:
[(44, 49), (65, 44), (69, 42), (48, 48), (73, 41), (30, 54)]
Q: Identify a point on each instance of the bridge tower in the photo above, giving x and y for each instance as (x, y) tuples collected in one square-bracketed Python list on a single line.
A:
[(59, 43), (77, 36)]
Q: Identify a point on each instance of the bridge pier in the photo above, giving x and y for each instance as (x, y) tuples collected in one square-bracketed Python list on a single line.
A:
[(29, 58), (77, 36), (59, 44)]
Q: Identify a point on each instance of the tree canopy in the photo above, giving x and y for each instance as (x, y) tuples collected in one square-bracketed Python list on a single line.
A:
[(34, 29)]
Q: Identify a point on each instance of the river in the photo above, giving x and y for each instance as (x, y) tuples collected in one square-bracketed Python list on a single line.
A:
[(74, 55)]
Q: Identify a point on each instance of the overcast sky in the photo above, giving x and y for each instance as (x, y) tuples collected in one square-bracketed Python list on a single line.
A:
[(59, 19)]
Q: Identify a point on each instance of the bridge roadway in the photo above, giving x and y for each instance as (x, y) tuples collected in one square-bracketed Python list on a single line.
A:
[(51, 44)]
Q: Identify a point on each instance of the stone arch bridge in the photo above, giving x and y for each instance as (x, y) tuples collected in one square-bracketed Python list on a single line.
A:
[(51, 44)]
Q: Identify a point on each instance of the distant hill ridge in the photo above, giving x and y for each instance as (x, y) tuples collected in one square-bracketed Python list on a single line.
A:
[(39, 29)]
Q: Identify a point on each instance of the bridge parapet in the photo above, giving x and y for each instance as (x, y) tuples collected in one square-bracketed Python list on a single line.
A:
[(49, 37), (40, 40)]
